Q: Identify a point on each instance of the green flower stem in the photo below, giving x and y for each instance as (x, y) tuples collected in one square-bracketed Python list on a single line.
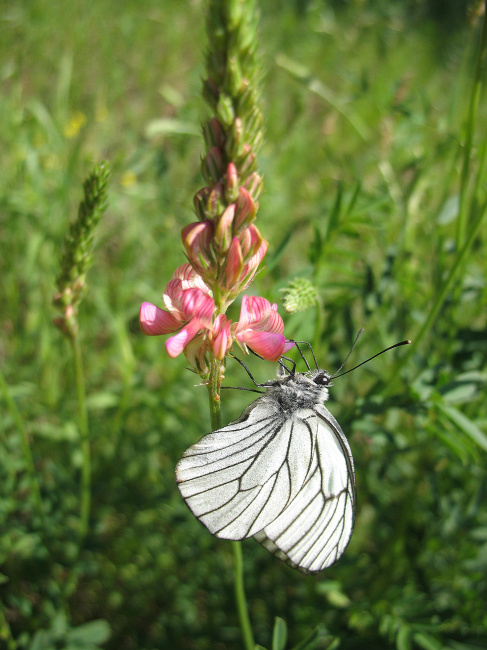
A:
[(26, 449), (85, 506), (471, 120), (213, 386), (243, 612)]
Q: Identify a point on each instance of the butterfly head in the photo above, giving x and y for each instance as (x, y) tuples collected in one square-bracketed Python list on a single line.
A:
[(321, 377)]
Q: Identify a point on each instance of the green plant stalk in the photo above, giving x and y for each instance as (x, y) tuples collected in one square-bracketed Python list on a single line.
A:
[(85, 502), (26, 448), (440, 298), (471, 120), (243, 612), (213, 386), (85, 505)]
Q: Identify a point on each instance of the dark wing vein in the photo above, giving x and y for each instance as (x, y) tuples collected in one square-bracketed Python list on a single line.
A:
[(312, 532), (238, 479)]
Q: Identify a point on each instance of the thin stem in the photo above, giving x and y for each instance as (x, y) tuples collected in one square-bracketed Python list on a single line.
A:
[(213, 386), (471, 120), (85, 506), (243, 612), (26, 448)]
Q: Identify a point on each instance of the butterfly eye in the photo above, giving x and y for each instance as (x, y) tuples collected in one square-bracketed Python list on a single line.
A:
[(322, 379)]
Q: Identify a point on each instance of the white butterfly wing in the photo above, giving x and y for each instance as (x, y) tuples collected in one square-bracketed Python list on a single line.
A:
[(238, 479), (314, 529)]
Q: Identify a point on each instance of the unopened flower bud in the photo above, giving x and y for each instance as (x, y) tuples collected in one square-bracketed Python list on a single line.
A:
[(214, 134), (200, 203), (221, 338), (223, 232), (234, 144), (233, 265), (234, 76), (247, 161), (254, 185), (231, 183), (245, 210), (250, 242), (216, 201), (197, 239), (212, 166), (225, 110)]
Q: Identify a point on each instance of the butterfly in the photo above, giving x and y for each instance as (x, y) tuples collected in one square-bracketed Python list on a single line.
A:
[(282, 472)]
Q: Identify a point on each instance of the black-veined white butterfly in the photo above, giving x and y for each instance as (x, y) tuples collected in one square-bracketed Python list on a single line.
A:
[(282, 473)]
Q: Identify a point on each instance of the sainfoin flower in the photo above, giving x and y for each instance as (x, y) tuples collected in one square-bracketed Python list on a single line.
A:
[(261, 328), (189, 309), (189, 315)]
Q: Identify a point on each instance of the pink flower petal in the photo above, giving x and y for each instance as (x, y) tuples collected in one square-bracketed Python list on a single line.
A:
[(197, 304), (251, 310), (172, 296), (233, 265), (189, 278), (288, 345), (176, 344), (154, 321), (185, 304), (268, 345), (221, 337)]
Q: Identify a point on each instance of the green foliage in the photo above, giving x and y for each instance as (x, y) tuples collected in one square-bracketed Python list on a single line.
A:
[(366, 117)]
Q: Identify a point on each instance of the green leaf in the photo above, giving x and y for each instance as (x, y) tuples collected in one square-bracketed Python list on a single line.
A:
[(92, 633), (332, 591), (169, 126), (403, 639), (464, 424), (42, 641), (311, 640), (427, 642), (279, 635)]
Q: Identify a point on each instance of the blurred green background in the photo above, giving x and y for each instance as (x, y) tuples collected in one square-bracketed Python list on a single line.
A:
[(366, 107)]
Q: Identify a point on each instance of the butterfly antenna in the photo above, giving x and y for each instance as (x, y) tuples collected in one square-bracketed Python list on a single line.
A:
[(348, 355), (396, 345), (245, 368), (301, 353)]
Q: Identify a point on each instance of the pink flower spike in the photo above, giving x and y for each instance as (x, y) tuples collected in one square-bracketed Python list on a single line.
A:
[(268, 345), (154, 321), (176, 344)]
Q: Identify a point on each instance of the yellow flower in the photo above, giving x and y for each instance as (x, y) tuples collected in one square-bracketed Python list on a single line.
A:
[(75, 124), (128, 178)]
